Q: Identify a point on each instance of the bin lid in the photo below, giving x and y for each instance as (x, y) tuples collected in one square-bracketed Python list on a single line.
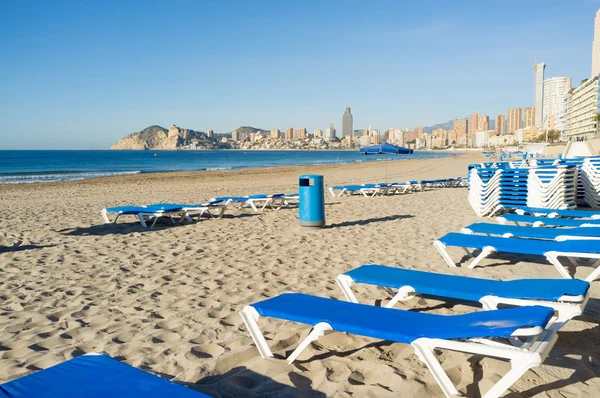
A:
[(315, 176)]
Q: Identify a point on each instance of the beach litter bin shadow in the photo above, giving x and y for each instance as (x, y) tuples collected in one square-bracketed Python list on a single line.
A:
[(311, 201)]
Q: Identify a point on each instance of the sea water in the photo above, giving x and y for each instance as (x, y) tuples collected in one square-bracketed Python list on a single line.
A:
[(58, 165)]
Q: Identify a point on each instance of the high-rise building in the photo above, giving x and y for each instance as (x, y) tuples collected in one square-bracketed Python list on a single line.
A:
[(539, 92), (275, 133), (500, 124), (289, 133), (483, 123), (235, 136), (473, 123), (347, 122), (556, 90), (318, 133), (515, 116), (582, 108), (210, 133), (419, 132), (596, 46), (460, 128), (529, 116), (330, 133), (300, 133)]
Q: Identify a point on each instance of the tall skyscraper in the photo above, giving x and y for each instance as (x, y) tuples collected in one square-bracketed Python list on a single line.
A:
[(483, 123), (499, 124), (347, 121), (529, 117), (596, 46), (556, 90), (539, 92), (515, 116)]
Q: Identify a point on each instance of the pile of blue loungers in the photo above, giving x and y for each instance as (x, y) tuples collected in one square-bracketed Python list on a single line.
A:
[(557, 235), (385, 188), (94, 376), (520, 318), (148, 215), (523, 334)]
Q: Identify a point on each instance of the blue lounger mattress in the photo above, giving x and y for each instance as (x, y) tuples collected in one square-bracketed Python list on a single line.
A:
[(94, 376), (398, 325), (466, 288), (531, 232)]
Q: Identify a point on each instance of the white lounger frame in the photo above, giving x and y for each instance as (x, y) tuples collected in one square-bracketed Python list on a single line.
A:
[(565, 308), (198, 212), (551, 256), (531, 354), (144, 218)]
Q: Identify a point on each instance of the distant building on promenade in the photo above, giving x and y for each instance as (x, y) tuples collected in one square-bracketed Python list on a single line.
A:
[(529, 117), (235, 136), (539, 92), (483, 123), (582, 108), (473, 123), (330, 133), (210, 133), (515, 115), (347, 123), (500, 124), (300, 133), (418, 132), (596, 46), (289, 133), (554, 113), (461, 129), (275, 133), (318, 133)]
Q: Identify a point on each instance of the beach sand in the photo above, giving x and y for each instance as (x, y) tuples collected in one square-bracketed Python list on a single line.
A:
[(167, 300)]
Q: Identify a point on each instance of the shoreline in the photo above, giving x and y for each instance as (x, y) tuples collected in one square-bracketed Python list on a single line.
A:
[(137, 173)]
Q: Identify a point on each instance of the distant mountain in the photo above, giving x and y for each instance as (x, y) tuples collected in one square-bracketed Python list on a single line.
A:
[(157, 137), (449, 125), (248, 130)]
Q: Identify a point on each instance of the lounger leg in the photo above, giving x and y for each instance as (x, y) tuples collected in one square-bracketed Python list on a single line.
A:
[(552, 258), (520, 362), (486, 251), (318, 330), (105, 216), (331, 191), (345, 283), (595, 274), (142, 221), (404, 293), (250, 318), (116, 218), (442, 249)]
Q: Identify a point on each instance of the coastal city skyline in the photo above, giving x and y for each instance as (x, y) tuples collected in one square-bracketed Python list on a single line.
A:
[(59, 95)]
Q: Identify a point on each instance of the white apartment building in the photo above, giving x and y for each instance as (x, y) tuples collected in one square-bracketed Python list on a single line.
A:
[(582, 107), (539, 92), (596, 46), (329, 134), (554, 108)]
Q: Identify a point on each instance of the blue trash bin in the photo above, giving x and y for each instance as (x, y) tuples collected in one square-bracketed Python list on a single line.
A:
[(311, 202)]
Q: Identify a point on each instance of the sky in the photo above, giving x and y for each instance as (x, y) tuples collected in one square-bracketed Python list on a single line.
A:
[(83, 74)]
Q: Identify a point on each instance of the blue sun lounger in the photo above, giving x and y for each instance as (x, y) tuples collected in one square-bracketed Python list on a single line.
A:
[(94, 376), (367, 190), (144, 213), (568, 297), (546, 221), (573, 250), (540, 212), (557, 234), (469, 333)]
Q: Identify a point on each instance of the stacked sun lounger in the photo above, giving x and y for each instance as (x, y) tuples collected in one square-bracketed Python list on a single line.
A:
[(553, 187), (385, 188), (590, 182)]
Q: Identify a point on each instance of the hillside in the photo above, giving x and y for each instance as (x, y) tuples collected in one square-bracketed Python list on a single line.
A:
[(157, 137)]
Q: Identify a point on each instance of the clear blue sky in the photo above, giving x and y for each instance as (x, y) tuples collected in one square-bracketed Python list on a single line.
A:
[(83, 74)]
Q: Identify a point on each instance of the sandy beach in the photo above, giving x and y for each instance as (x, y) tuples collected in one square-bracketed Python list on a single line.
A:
[(167, 300)]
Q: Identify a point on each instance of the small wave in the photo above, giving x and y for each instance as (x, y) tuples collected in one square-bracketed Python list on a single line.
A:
[(27, 178)]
